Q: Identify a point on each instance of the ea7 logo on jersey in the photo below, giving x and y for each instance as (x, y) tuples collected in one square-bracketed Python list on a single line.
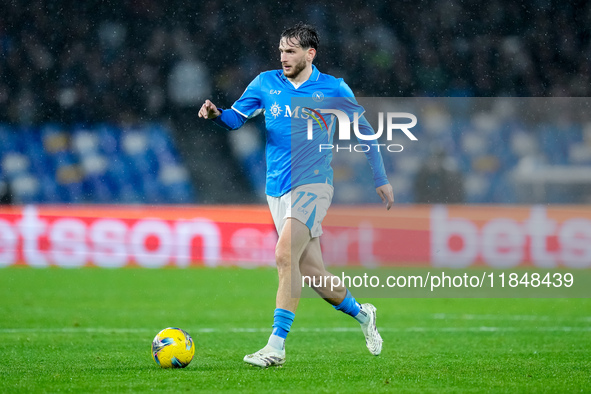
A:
[(273, 91)]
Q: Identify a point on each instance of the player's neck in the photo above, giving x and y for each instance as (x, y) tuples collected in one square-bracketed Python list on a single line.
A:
[(302, 77)]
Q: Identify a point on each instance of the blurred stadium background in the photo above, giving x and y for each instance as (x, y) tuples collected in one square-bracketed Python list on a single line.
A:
[(102, 109)]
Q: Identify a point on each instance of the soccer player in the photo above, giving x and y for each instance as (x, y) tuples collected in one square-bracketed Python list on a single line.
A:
[(299, 181)]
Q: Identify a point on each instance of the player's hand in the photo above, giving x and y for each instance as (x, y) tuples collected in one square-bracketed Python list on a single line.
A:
[(386, 194), (209, 110)]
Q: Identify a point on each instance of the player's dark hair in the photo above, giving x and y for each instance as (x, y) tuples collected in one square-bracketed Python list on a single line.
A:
[(306, 35)]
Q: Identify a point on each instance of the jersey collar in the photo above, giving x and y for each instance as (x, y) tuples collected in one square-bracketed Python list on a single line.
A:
[(315, 74)]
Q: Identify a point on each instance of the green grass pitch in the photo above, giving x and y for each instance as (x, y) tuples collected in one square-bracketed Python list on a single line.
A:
[(90, 330)]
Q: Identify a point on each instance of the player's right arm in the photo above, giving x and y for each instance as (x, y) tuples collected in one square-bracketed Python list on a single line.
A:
[(228, 119), (209, 110), (247, 106)]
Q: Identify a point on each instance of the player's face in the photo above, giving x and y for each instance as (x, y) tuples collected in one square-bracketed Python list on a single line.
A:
[(293, 57)]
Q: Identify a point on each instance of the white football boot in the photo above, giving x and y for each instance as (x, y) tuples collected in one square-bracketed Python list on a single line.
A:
[(266, 357), (373, 340)]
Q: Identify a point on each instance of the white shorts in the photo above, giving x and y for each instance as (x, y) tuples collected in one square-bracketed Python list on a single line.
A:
[(307, 203)]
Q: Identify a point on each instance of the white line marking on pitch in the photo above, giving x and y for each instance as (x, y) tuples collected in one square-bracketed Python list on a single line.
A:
[(466, 316), (104, 330)]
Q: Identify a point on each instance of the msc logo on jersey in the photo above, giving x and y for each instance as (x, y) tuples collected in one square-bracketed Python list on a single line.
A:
[(275, 110)]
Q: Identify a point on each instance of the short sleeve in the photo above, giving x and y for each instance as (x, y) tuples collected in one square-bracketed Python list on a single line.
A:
[(250, 103), (349, 103), (345, 90)]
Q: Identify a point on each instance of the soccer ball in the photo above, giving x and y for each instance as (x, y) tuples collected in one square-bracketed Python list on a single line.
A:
[(173, 348)]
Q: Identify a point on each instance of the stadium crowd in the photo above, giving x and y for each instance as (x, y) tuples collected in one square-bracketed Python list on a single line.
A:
[(79, 64), (71, 61)]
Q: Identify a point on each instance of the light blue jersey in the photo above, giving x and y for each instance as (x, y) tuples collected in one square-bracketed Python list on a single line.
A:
[(292, 158)]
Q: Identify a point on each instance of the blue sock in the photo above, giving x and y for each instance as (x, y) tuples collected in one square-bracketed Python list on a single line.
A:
[(351, 307), (282, 320)]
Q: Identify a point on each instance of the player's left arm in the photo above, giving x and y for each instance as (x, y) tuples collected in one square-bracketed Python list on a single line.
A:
[(386, 194), (374, 157)]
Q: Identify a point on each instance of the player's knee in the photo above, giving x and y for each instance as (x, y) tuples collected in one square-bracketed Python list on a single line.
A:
[(282, 258)]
